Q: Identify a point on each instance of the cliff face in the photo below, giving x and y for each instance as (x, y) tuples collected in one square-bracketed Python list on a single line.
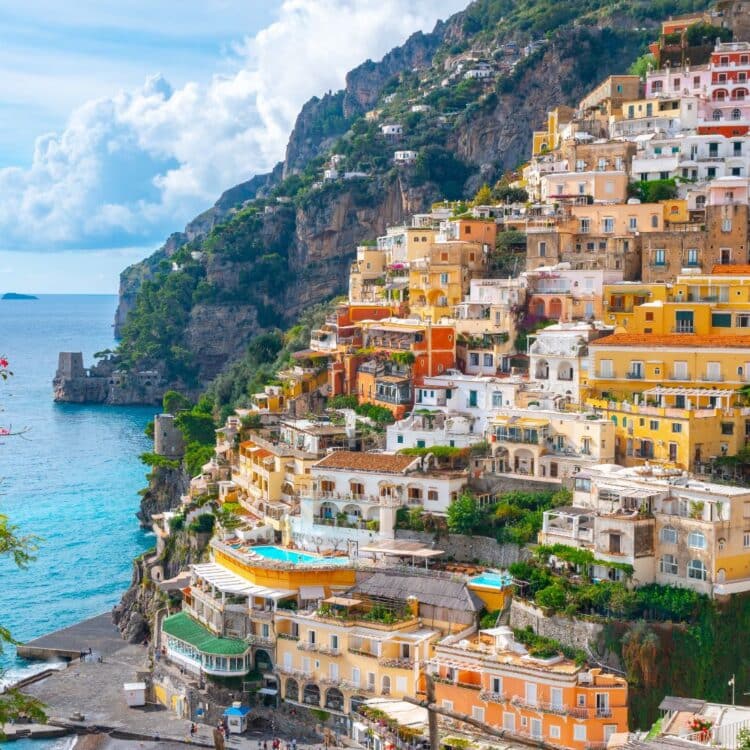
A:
[(277, 243)]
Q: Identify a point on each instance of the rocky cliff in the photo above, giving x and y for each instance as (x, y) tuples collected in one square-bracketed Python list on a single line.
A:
[(277, 243)]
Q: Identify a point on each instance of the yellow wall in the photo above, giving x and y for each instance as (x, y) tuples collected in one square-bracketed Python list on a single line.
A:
[(327, 576)]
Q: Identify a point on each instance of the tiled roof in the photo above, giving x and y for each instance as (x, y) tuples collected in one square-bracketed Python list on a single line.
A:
[(394, 464), (678, 340), (184, 628), (729, 270)]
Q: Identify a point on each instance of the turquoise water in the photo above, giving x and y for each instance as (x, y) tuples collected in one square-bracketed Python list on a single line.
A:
[(296, 558), (495, 580), (72, 478)]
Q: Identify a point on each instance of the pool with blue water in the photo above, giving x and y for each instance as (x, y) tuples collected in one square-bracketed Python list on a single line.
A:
[(492, 579)]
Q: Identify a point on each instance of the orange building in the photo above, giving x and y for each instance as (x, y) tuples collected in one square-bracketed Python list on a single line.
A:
[(433, 346), (542, 697), (476, 230)]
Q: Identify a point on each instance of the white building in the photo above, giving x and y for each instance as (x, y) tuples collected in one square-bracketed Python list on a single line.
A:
[(355, 496), (559, 356), (405, 157), (423, 429), (393, 130)]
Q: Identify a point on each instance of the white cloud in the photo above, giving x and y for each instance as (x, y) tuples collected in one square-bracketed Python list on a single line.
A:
[(132, 167)]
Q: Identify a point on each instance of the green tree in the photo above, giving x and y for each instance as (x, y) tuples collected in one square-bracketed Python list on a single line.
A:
[(464, 514), (173, 402), (22, 549), (483, 196), (553, 597)]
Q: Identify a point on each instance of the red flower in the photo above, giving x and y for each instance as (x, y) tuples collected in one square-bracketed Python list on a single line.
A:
[(3, 362)]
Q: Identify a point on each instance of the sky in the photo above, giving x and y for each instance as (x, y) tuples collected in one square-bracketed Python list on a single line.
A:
[(119, 122)]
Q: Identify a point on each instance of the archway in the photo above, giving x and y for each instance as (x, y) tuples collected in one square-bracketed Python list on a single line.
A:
[(565, 371), (291, 690), (311, 695), (502, 460), (355, 702), (523, 462), (541, 371), (263, 661), (334, 699), (328, 510)]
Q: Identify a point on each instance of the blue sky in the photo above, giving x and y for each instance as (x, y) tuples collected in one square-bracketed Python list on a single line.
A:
[(120, 121)]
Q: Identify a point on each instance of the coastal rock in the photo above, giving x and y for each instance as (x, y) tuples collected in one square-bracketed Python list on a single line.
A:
[(165, 488)]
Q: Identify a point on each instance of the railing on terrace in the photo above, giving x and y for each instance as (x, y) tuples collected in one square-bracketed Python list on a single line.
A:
[(287, 636), (294, 672), (261, 614), (360, 652), (328, 650), (489, 695), (397, 663), (259, 640)]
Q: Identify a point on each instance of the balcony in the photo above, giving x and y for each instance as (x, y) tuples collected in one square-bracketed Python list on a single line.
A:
[(264, 615), (356, 686), (396, 663), (712, 378), (360, 652), (635, 375), (489, 696), (259, 640), (287, 636)]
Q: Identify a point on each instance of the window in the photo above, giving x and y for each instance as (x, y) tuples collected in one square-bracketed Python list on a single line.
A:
[(746, 539), (473, 396), (497, 685), (725, 257), (684, 321), (399, 438), (536, 729), (716, 115), (713, 371), (334, 642), (554, 732), (668, 535), (696, 540), (653, 425), (660, 257), (633, 223), (721, 320), (432, 495), (497, 399), (542, 249), (509, 721), (676, 427), (556, 697), (696, 570), (692, 256), (579, 733), (477, 713), (443, 279), (585, 226), (488, 360), (447, 705), (608, 225), (474, 359), (311, 636), (737, 148), (530, 693), (726, 223), (727, 428), (668, 565)]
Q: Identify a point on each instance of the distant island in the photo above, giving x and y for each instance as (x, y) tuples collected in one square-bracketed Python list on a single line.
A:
[(15, 295)]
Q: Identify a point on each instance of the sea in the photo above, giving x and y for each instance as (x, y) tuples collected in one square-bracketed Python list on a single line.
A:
[(71, 476)]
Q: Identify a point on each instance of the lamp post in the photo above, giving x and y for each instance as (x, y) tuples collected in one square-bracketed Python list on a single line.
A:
[(731, 683)]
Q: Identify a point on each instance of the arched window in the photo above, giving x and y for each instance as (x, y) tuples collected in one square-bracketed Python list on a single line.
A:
[(696, 540), (386, 685), (700, 201), (736, 114), (696, 570), (614, 420), (668, 535), (739, 95), (668, 565), (716, 114)]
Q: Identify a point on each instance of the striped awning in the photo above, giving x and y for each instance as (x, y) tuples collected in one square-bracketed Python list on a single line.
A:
[(230, 583)]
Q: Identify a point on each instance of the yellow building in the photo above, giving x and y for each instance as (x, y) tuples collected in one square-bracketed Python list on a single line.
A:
[(681, 428), (439, 280), (704, 304), (271, 477), (370, 641), (549, 139)]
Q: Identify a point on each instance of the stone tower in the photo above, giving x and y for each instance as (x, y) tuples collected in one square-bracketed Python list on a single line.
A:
[(168, 439), (70, 365)]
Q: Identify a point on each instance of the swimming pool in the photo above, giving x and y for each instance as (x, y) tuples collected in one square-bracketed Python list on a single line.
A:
[(492, 579), (296, 558)]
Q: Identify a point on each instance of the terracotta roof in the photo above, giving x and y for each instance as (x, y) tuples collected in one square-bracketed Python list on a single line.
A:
[(678, 340), (730, 270), (383, 462)]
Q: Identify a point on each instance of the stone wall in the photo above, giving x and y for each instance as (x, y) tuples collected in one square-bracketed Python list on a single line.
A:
[(470, 548), (588, 636)]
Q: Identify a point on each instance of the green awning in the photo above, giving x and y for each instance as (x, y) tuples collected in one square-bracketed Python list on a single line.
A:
[(184, 628)]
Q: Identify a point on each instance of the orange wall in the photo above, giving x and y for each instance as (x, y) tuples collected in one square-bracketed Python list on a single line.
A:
[(464, 698)]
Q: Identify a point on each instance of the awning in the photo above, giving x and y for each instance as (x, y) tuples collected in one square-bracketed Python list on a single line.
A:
[(268, 691), (342, 601), (231, 583), (311, 592)]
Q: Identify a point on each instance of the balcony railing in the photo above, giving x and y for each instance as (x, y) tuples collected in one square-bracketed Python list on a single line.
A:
[(360, 652), (488, 695), (261, 614), (287, 636), (259, 640), (397, 663), (637, 375)]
